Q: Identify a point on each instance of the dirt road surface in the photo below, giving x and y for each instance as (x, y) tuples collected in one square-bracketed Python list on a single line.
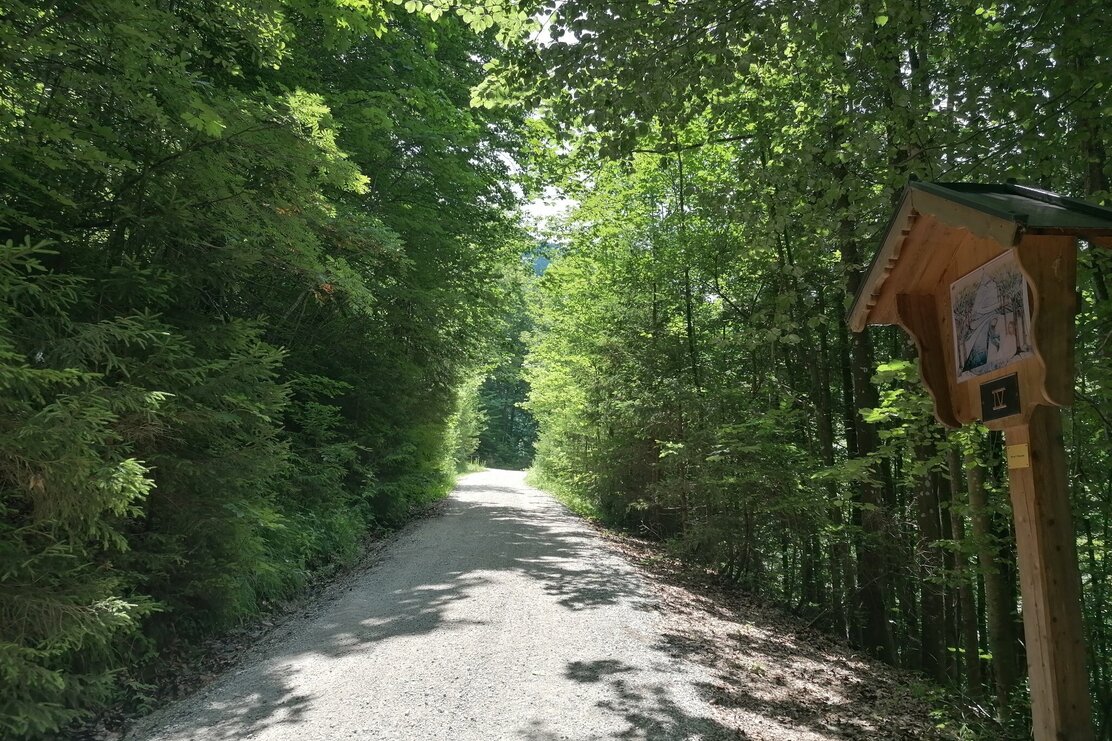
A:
[(505, 617)]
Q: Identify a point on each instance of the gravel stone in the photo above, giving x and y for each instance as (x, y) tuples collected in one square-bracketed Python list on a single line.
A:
[(505, 617)]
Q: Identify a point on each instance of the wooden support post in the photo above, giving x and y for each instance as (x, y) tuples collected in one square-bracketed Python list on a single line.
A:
[(1049, 577)]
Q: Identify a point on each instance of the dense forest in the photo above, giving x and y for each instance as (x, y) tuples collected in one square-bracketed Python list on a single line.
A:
[(733, 167), (248, 253), (266, 288)]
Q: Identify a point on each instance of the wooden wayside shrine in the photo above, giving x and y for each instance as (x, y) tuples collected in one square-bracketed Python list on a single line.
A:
[(983, 279)]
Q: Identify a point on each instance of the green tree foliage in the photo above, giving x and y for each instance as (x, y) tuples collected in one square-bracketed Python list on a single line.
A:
[(467, 424), (509, 431), (691, 371), (248, 253)]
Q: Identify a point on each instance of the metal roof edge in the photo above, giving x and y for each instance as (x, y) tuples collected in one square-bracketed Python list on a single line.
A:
[(950, 193), (1074, 204)]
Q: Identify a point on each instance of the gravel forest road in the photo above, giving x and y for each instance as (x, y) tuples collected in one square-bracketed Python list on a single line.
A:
[(503, 617)]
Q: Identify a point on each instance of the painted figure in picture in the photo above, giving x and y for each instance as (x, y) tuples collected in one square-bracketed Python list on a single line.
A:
[(991, 317), (983, 339)]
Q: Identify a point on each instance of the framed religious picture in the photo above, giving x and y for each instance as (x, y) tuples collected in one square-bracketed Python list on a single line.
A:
[(991, 316)]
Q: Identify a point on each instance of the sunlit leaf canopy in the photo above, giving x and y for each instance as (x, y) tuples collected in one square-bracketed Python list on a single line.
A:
[(250, 254), (733, 166), (258, 255), (1002, 73)]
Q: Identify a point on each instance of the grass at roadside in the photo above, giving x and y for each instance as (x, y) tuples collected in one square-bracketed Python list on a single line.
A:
[(568, 496), (192, 665)]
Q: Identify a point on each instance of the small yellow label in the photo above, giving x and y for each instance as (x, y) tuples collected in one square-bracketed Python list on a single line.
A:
[(1018, 456)]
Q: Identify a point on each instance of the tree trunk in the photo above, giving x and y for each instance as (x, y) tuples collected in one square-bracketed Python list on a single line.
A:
[(966, 607), (951, 640), (932, 617), (839, 556), (688, 301), (872, 579), (1001, 626)]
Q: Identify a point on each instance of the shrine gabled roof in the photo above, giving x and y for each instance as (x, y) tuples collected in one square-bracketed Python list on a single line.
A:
[(1040, 211), (1004, 212)]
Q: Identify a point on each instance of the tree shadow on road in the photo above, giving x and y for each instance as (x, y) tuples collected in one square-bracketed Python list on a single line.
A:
[(540, 543), (648, 708), (272, 702), (481, 532)]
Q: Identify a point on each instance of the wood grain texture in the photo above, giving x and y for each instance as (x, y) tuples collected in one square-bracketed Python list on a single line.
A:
[(1050, 582), (919, 318), (1050, 264)]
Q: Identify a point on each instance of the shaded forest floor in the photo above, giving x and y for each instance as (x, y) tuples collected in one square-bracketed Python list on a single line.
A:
[(775, 678)]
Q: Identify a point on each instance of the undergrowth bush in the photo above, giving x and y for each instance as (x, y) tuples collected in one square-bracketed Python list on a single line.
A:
[(242, 279)]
